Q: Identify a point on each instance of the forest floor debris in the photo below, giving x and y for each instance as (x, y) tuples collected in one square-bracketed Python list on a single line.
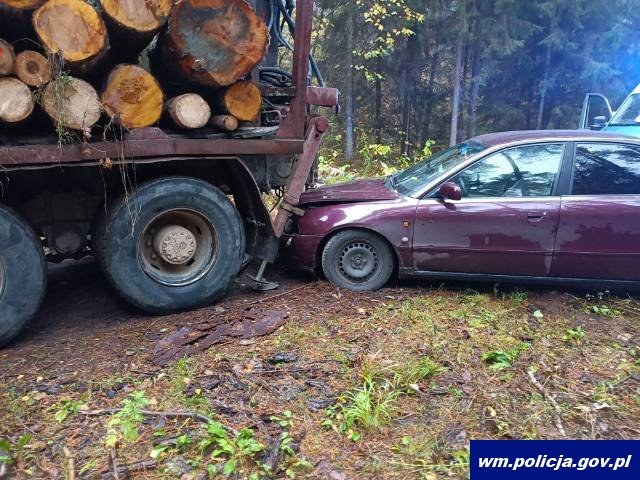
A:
[(383, 385)]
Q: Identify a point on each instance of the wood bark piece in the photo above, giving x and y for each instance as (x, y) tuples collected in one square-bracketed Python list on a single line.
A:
[(16, 100), (192, 339), (33, 68), (214, 42), (7, 58), (189, 110), (74, 30), (226, 123), (136, 18), (72, 103), (242, 100), (132, 96)]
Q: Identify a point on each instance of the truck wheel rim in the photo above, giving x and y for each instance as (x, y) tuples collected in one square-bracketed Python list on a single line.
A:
[(358, 261), (178, 247)]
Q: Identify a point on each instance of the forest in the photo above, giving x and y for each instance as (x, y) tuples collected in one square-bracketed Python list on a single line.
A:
[(418, 75)]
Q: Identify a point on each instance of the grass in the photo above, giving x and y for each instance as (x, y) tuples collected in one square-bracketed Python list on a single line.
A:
[(416, 375)]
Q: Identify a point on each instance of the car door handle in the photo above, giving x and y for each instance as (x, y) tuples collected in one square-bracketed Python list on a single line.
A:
[(536, 217)]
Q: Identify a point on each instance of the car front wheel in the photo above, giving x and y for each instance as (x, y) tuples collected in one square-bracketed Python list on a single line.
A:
[(357, 260)]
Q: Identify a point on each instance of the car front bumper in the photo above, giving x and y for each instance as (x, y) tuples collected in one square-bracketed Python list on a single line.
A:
[(300, 252)]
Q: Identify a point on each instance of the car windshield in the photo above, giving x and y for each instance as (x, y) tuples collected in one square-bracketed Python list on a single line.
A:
[(628, 113), (411, 181)]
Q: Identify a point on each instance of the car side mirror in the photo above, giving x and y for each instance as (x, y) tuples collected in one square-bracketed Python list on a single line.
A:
[(450, 191), (599, 122)]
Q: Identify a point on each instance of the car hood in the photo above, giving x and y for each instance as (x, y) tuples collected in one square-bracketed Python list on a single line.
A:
[(356, 191)]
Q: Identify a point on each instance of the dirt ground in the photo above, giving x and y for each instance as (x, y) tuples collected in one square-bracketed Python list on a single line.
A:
[(390, 384)]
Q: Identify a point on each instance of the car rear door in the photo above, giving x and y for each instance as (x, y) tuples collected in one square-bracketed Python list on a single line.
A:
[(504, 224), (599, 229)]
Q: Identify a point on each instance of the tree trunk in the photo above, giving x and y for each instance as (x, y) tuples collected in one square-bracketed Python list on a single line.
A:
[(135, 21), (132, 97), (214, 42), (16, 100), (24, 5), (433, 70), (7, 58), (72, 103), (74, 30), (476, 70), (378, 105), (455, 103), (189, 110), (226, 123), (242, 100), (33, 68), (349, 149), (543, 89)]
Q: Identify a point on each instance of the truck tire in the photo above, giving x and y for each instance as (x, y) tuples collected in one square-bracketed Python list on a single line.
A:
[(357, 260), (177, 243), (23, 274)]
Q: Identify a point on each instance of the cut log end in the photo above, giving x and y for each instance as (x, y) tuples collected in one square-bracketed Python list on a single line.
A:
[(16, 100), (142, 16), (7, 58), (73, 28), (132, 96), (24, 5), (242, 100), (72, 103), (226, 123), (189, 111), (33, 68), (217, 41)]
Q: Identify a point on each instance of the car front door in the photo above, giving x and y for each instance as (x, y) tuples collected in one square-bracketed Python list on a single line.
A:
[(504, 224), (599, 229)]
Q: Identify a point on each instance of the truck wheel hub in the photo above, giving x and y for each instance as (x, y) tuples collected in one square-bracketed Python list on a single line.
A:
[(175, 244)]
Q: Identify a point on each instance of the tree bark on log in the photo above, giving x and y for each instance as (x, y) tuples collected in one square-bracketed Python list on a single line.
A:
[(7, 58), (72, 103), (135, 22), (189, 110), (74, 30), (214, 42), (33, 68), (226, 123), (242, 100), (132, 97), (16, 100)]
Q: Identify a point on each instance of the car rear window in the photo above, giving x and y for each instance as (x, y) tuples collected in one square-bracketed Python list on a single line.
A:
[(606, 169)]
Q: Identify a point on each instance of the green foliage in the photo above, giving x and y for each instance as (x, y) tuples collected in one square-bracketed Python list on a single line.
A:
[(574, 334), (123, 425), (604, 311), (66, 408), (235, 452), (417, 370), (369, 406), (13, 451), (501, 359), (285, 421)]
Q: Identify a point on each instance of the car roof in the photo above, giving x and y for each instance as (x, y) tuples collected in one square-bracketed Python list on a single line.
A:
[(500, 138)]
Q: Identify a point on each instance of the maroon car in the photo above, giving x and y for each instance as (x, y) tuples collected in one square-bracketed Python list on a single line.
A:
[(538, 206)]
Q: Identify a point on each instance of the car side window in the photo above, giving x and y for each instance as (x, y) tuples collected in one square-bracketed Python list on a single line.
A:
[(523, 171), (606, 169)]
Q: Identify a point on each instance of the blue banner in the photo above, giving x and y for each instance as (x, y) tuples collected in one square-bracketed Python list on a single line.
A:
[(555, 459)]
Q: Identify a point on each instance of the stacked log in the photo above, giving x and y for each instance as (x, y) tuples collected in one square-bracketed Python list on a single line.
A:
[(33, 68), (7, 58), (203, 51), (16, 100)]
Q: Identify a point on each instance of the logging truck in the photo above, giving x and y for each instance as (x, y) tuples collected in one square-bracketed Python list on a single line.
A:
[(144, 133)]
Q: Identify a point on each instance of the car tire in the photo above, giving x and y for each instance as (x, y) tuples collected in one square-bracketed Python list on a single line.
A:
[(176, 244), (357, 260), (23, 274)]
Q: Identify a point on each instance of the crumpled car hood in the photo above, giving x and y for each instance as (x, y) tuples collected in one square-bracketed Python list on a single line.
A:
[(356, 191)]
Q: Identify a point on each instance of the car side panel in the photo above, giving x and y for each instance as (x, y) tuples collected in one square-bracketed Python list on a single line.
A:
[(598, 237)]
